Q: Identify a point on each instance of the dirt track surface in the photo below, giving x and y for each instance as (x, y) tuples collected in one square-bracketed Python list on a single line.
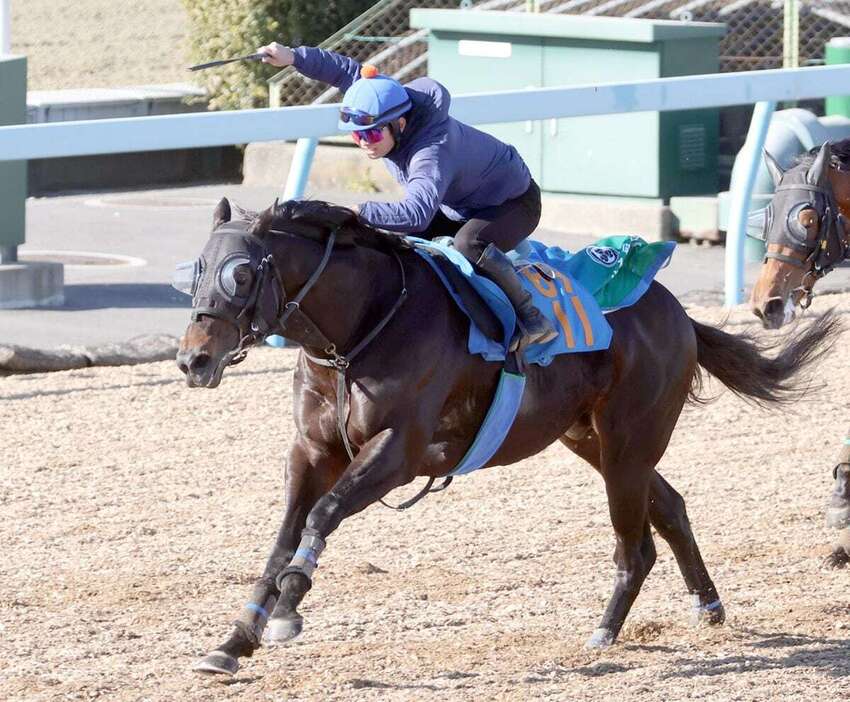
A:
[(101, 43), (135, 513)]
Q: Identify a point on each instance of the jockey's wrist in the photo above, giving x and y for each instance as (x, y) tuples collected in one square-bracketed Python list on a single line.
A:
[(277, 55)]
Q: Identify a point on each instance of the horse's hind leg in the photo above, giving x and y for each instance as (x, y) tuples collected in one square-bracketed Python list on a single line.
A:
[(668, 516), (634, 554)]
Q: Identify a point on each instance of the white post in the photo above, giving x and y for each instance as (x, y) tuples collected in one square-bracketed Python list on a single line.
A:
[(740, 193), (296, 182), (5, 27)]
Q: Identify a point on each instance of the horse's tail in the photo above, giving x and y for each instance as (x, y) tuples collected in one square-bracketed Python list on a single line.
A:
[(741, 361)]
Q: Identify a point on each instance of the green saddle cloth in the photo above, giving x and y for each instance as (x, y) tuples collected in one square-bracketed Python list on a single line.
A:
[(618, 270)]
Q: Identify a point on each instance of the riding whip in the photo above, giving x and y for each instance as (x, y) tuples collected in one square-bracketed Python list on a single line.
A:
[(211, 64)]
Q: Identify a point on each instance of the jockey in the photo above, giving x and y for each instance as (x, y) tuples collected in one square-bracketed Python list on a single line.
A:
[(459, 181)]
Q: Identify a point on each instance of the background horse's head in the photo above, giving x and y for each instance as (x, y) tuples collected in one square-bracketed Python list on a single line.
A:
[(804, 229), (240, 281)]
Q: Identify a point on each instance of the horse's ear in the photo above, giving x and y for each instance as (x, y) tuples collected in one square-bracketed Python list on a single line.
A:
[(773, 167), (222, 213), (819, 171), (264, 220)]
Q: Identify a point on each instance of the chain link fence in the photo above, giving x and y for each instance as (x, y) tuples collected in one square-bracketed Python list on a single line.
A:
[(760, 34), (381, 36)]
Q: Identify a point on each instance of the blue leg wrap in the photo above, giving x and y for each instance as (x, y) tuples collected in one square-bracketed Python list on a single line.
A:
[(306, 557)]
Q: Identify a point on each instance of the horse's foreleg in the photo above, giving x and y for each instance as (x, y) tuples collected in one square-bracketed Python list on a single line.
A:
[(378, 468), (306, 480), (840, 556)]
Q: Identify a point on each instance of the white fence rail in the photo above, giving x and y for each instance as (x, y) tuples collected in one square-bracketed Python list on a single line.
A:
[(107, 136), (5, 26)]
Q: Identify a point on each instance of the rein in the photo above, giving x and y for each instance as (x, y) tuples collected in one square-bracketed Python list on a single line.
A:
[(341, 362), (269, 311)]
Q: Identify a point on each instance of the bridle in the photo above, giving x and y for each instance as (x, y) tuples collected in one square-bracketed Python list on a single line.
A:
[(291, 321), (820, 256), (268, 306)]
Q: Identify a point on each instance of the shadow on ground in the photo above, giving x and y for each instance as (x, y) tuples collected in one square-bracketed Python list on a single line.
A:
[(98, 296), (831, 656)]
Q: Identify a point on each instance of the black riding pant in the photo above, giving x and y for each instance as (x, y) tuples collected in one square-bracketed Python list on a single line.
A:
[(504, 225)]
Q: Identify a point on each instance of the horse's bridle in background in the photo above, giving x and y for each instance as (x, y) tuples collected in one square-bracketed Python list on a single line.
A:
[(819, 257)]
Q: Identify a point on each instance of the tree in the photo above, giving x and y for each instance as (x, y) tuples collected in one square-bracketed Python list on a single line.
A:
[(226, 28)]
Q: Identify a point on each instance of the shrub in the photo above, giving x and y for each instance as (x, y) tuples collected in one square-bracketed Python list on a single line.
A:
[(227, 28)]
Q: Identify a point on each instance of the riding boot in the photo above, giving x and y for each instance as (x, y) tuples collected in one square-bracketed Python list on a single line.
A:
[(534, 327), (838, 510)]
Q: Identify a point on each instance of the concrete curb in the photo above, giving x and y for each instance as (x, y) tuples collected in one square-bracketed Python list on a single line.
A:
[(141, 349)]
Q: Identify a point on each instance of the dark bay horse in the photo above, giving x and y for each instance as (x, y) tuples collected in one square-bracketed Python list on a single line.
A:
[(367, 309), (806, 231)]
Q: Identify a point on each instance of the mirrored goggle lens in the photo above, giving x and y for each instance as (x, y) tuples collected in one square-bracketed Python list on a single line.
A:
[(756, 221), (361, 119), (227, 274), (370, 136), (186, 277)]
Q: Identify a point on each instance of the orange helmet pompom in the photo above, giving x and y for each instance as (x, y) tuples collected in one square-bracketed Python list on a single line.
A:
[(368, 71)]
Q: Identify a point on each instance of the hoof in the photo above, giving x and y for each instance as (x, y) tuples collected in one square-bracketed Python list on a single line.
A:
[(712, 614), (217, 662), (839, 558), (280, 630), (838, 517), (601, 638)]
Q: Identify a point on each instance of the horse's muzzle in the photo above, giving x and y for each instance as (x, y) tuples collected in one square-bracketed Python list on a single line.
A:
[(775, 313), (199, 368)]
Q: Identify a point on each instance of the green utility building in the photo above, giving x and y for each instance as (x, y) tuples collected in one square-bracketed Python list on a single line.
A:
[(13, 174), (22, 284), (647, 154)]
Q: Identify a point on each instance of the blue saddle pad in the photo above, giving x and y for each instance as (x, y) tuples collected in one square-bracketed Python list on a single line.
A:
[(569, 306)]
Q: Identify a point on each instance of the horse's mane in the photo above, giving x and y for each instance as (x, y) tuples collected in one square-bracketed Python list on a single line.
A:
[(840, 155), (324, 218)]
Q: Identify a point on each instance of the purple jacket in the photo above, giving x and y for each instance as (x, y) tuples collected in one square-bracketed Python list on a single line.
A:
[(443, 164)]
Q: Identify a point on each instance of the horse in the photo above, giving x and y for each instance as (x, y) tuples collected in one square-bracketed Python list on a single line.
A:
[(805, 229), (385, 391)]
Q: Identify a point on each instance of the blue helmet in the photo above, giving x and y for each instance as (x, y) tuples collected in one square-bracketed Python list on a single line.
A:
[(372, 101)]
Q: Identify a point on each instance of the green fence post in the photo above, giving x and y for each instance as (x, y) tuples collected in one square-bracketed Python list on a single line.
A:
[(837, 51), (13, 174), (791, 35)]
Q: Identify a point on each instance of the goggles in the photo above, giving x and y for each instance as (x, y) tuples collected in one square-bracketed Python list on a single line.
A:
[(358, 117), (758, 222), (187, 276), (370, 136)]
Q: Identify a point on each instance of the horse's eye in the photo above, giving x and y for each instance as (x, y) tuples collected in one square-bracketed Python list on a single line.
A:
[(242, 276), (235, 276), (807, 217)]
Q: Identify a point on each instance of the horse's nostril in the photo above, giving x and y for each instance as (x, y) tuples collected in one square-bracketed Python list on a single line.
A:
[(773, 307), (199, 362), (773, 313), (184, 369)]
